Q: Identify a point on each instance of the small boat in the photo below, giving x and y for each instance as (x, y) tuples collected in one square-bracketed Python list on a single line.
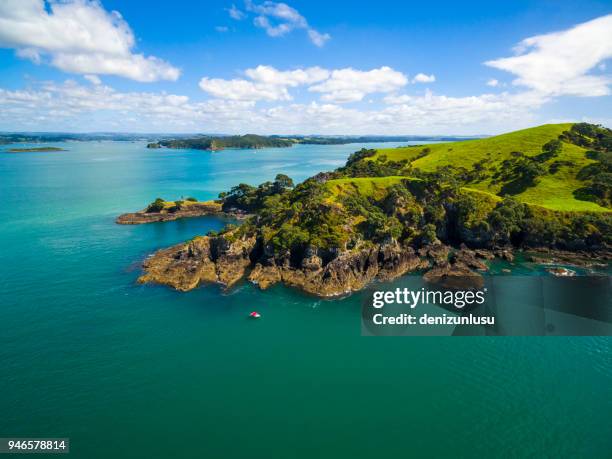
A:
[(254, 315)]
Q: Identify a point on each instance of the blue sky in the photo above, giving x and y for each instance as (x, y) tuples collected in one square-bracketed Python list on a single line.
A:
[(334, 67)]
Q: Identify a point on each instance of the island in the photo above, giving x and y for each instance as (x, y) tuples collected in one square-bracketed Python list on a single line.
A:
[(222, 142), (33, 149), (252, 141), (444, 210)]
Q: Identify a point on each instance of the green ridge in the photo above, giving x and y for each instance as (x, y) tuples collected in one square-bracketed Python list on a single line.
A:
[(553, 191)]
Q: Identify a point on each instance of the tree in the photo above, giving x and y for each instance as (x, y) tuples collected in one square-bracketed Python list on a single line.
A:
[(156, 206), (282, 182)]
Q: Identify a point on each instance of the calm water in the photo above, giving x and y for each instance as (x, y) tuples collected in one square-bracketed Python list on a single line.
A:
[(142, 371)]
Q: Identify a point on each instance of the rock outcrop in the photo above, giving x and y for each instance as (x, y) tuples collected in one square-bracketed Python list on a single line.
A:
[(225, 261), (196, 209), (201, 260)]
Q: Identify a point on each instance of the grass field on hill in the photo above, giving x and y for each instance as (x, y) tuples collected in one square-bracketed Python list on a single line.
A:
[(554, 191), (375, 187)]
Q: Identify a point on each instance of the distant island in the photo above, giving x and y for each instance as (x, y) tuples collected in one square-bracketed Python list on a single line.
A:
[(214, 141), (248, 141), (223, 142), (32, 149), (444, 209)]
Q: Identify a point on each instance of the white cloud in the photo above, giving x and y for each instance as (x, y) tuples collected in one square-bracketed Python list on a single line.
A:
[(222, 29), (338, 86), (78, 36), (422, 78), (558, 63), (93, 79), (493, 83), (269, 75), (266, 83), (318, 38), (68, 105), (279, 19), (235, 13), (243, 90), (53, 106), (350, 85)]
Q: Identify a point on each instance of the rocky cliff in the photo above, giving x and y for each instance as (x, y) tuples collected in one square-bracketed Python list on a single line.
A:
[(225, 261)]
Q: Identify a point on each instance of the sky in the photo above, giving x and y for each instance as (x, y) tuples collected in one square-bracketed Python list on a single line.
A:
[(303, 67)]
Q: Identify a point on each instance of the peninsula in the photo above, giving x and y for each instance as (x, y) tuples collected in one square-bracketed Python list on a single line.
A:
[(445, 209)]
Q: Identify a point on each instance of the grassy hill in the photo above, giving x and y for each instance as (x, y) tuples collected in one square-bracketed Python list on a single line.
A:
[(553, 190), (549, 186)]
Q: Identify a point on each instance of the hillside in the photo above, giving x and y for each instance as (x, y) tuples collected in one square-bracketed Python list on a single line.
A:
[(439, 207), (554, 189)]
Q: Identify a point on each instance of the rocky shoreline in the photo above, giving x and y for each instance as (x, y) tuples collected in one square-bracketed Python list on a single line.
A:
[(224, 260)]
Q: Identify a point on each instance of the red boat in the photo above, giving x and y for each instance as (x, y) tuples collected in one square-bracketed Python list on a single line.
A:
[(255, 315)]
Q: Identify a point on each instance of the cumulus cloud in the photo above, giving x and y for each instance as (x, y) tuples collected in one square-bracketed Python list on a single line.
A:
[(265, 83), (270, 75), (338, 86), (62, 106), (350, 85), (238, 89), (279, 19), (493, 83), (422, 78), (53, 106), (559, 63), (77, 36)]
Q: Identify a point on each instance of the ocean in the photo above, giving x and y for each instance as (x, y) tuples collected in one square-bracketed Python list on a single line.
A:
[(142, 371)]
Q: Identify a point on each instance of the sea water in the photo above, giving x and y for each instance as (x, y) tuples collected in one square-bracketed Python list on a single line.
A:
[(142, 371)]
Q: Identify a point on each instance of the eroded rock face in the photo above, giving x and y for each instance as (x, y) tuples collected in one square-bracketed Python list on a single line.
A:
[(438, 253), (469, 258), (221, 260), (202, 260), (349, 271)]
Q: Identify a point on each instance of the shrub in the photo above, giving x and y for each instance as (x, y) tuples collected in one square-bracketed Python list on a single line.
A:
[(156, 206)]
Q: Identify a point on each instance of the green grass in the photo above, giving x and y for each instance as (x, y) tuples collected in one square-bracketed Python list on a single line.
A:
[(375, 187), (554, 191)]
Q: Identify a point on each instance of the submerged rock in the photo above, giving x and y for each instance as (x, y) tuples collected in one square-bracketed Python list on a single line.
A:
[(455, 276)]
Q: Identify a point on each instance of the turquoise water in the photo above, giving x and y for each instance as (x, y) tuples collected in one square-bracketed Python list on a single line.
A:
[(142, 371)]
